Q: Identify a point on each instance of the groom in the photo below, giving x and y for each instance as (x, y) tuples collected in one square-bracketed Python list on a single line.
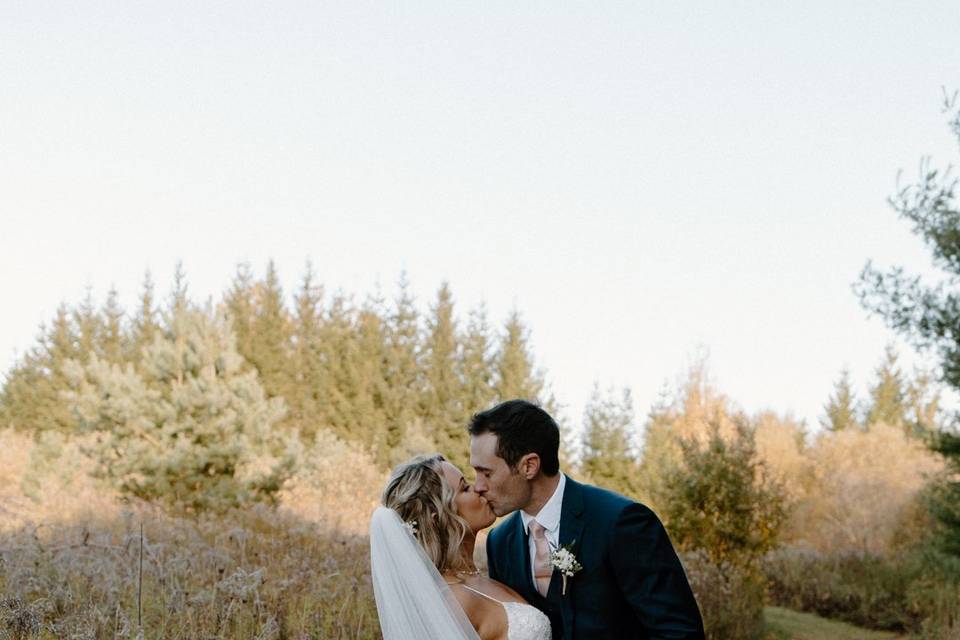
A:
[(631, 584)]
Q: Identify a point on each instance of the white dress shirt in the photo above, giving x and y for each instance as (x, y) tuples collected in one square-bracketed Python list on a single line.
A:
[(549, 519)]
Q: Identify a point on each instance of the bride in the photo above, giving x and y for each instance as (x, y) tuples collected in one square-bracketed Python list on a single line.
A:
[(421, 559)]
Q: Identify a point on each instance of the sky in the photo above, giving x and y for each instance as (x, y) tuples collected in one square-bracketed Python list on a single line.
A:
[(643, 181)]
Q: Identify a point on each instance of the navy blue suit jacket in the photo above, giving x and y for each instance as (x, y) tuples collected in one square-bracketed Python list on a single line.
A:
[(632, 584)]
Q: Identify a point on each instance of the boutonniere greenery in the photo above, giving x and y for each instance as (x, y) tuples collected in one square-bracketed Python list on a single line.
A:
[(565, 562)]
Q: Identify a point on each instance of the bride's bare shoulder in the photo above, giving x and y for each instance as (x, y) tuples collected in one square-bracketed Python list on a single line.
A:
[(487, 616), (501, 591)]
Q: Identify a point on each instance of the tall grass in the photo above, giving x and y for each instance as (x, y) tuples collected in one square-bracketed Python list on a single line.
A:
[(256, 573), (70, 556)]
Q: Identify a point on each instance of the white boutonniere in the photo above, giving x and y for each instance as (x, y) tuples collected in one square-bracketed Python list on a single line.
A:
[(565, 562)]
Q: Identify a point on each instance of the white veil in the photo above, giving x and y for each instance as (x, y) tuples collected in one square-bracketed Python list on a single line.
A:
[(413, 601)]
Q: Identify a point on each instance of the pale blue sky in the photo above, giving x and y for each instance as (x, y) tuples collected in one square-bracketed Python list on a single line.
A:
[(637, 178)]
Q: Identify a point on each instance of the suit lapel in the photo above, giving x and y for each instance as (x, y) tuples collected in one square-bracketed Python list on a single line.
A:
[(571, 532), (520, 549)]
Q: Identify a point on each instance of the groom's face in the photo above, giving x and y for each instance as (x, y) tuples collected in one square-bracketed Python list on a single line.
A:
[(505, 489)]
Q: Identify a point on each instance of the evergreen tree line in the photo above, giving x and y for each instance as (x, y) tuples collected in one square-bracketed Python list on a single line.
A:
[(385, 375), (379, 373), (611, 453), (894, 399)]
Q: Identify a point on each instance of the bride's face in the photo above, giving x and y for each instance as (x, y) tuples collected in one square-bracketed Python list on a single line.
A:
[(471, 506)]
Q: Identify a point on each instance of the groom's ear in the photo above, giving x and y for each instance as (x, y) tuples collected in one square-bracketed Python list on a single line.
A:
[(529, 466)]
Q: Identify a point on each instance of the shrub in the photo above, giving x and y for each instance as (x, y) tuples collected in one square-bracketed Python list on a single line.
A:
[(730, 597), (916, 590), (724, 510), (46, 478), (722, 501), (866, 484), (193, 429), (338, 485)]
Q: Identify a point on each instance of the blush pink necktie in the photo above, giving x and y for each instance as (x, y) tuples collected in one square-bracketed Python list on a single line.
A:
[(542, 567)]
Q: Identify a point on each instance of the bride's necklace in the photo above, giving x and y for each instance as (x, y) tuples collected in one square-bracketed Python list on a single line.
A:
[(458, 575)]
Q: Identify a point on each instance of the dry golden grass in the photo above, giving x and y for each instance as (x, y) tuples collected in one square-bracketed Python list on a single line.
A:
[(70, 556), (70, 547)]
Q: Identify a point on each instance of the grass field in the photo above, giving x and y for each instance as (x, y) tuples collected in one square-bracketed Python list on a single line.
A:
[(73, 563), (785, 624)]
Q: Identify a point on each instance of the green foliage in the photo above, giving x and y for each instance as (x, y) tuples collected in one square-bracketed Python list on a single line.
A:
[(239, 303), (112, 344), (887, 395), (30, 400), (477, 365), (720, 499), (515, 374), (914, 591), (380, 376), (841, 408), (192, 429), (928, 315), (944, 497), (442, 409), (305, 400), (88, 326), (371, 366), (145, 325), (700, 469), (693, 410), (608, 452), (403, 375), (923, 415), (270, 342)]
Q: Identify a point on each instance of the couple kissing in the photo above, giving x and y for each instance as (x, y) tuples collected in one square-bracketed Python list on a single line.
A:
[(570, 561)]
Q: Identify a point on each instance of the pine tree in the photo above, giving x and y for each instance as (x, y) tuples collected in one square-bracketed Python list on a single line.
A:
[(659, 453), (944, 497), (887, 394), (477, 365), (179, 296), (337, 357), (270, 335), (403, 383), (88, 326), (923, 405), (608, 456), (145, 326), (31, 398), (374, 358), (353, 350), (193, 429), (442, 400), (928, 315), (306, 401), (239, 302), (113, 341), (515, 374), (841, 411)]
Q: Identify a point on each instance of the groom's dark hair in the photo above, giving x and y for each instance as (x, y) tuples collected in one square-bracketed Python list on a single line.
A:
[(521, 427)]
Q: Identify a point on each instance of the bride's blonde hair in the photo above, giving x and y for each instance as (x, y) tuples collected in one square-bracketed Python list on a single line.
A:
[(417, 491)]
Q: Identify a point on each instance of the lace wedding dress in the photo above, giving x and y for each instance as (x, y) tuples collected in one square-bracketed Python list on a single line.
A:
[(524, 621), (414, 602)]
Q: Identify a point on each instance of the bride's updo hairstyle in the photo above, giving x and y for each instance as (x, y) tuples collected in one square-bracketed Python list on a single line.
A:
[(417, 491)]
